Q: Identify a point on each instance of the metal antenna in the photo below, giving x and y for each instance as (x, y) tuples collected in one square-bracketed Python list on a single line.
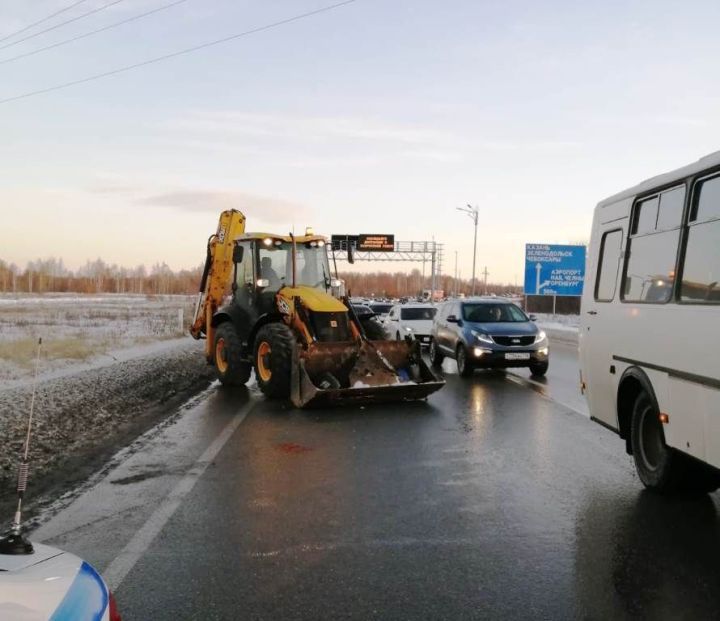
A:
[(14, 542)]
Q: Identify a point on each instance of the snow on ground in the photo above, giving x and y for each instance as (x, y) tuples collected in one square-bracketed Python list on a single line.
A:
[(86, 330), (111, 367), (562, 323), (82, 419)]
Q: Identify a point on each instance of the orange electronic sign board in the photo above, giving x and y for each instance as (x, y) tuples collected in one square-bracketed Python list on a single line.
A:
[(375, 242)]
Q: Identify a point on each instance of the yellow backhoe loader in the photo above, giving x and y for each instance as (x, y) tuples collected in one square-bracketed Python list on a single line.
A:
[(269, 302)]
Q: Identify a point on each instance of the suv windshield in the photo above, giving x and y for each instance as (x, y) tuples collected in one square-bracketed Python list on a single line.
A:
[(492, 313), (417, 314), (312, 268)]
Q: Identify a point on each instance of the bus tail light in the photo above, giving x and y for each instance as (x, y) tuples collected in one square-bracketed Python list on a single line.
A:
[(664, 418)]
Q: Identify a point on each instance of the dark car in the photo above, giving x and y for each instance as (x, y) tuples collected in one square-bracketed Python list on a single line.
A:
[(374, 329), (381, 309), (363, 311), (488, 334)]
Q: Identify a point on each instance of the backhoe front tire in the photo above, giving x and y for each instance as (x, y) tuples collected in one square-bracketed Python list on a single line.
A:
[(273, 360), (232, 370)]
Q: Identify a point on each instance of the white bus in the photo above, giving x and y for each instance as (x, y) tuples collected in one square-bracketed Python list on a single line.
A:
[(650, 327)]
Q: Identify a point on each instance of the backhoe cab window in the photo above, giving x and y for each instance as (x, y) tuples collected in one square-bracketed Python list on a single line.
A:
[(312, 268), (244, 274)]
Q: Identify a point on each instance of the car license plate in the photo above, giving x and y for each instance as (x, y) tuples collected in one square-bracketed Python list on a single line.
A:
[(517, 356), (425, 339)]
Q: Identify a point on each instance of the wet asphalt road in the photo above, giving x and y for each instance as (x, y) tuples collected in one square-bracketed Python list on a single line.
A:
[(492, 500)]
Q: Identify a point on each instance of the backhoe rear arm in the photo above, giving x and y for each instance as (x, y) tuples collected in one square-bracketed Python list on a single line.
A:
[(216, 275)]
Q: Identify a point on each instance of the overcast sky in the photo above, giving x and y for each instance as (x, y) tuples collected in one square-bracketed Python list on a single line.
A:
[(378, 116)]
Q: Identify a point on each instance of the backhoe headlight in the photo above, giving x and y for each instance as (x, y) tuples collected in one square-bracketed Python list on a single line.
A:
[(485, 338), (268, 241), (540, 337)]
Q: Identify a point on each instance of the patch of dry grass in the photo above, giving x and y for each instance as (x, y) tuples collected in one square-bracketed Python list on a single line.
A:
[(22, 352)]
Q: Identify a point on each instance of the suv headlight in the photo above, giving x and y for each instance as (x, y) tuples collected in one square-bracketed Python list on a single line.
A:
[(485, 338), (540, 337), (408, 328)]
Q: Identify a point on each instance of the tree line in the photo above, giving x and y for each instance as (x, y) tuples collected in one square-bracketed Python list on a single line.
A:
[(51, 275), (404, 284)]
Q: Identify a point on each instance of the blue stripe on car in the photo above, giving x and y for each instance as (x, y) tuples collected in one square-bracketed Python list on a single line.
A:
[(86, 599)]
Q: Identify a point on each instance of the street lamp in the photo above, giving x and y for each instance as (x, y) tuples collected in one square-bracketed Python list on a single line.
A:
[(473, 213)]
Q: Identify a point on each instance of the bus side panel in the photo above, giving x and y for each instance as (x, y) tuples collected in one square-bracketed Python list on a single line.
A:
[(687, 405), (711, 405)]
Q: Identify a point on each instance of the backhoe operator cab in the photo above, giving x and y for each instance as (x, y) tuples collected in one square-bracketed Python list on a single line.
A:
[(283, 319), (264, 265)]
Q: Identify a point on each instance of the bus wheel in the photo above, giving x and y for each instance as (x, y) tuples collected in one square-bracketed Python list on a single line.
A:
[(658, 466), (661, 468)]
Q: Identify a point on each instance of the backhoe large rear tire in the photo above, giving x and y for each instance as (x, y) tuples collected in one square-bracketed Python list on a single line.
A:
[(232, 370), (273, 360)]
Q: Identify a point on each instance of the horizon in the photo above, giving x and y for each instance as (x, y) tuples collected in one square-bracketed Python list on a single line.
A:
[(368, 117)]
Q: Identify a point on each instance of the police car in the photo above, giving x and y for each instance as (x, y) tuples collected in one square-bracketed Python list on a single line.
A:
[(52, 585)]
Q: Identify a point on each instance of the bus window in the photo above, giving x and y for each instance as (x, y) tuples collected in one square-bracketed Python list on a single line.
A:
[(645, 218), (671, 209), (606, 280), (708, 204), (652, 251), (701, 268)]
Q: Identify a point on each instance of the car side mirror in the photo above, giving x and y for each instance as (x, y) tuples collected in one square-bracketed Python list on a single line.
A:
[(532, 317), (452, 319), (238, 254)]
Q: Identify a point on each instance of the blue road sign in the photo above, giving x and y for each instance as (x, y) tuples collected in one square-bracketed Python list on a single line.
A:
[(554, 270)]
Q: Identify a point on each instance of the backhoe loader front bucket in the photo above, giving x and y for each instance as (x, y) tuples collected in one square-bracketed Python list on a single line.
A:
[(360, 372)]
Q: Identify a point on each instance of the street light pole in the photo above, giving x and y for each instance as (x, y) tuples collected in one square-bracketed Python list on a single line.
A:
[(473, 213), (456, 276)]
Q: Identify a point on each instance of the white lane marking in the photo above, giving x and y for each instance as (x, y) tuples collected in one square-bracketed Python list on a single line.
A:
[(523, 381), (529, 381), (115, 573)]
